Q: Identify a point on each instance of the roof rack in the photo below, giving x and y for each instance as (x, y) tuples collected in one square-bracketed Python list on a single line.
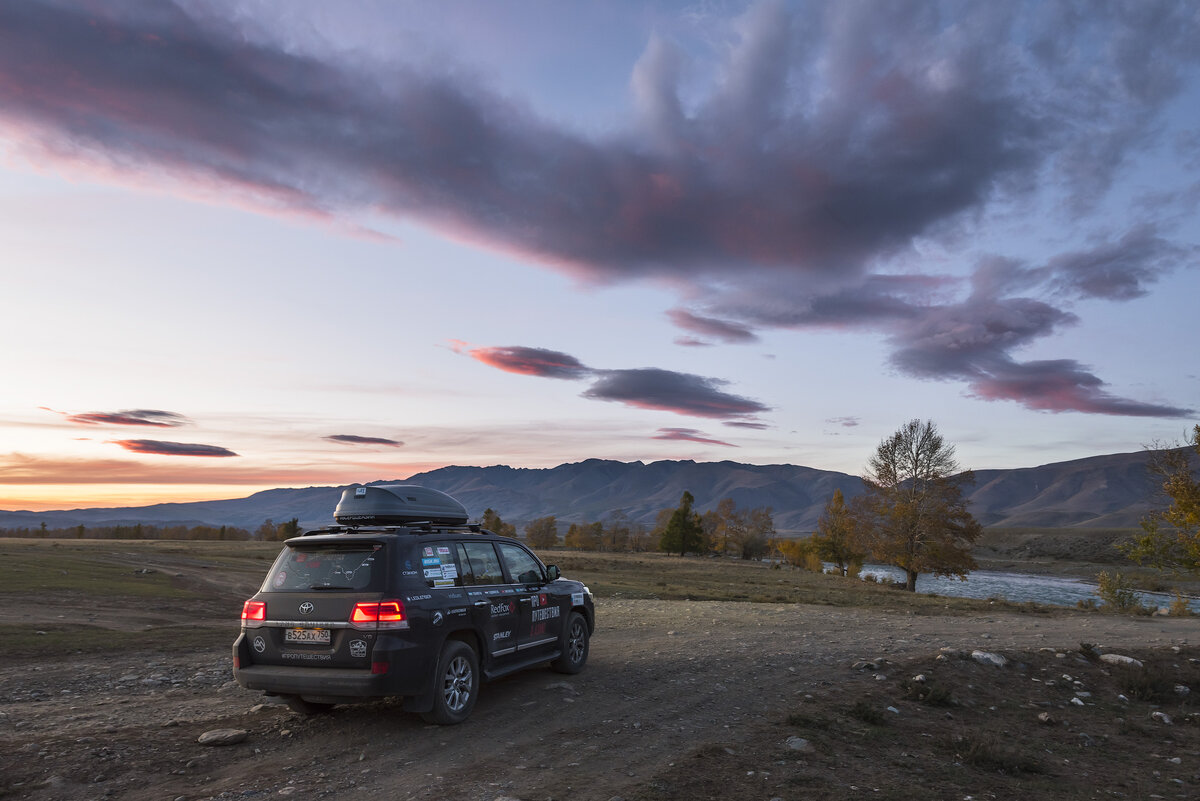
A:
[(415, 528)]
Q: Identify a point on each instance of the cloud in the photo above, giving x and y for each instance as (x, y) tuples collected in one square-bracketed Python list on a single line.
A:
[(746, 424), (784, 193), (18, 469), (171, 448), (689, 435), (353, 439), (1061, 385), (128, 417), (725, 331), (644, 388), (665, 390), (531, 361), (1118, 270), (844, 422)]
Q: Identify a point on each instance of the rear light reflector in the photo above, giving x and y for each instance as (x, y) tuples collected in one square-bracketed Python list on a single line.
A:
[(254, 613), (379, 614), (379, 668)]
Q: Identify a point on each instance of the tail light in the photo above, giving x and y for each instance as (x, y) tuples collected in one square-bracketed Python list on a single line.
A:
[(254, 613), (379, 615)]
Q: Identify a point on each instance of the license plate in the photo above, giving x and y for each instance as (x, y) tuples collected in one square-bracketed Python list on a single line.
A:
[(312, 636)]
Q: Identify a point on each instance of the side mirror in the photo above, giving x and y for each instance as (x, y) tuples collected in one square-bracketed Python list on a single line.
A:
[(552, 573)]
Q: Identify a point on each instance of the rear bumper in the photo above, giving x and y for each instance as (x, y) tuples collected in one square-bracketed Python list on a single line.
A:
[(409, 672)]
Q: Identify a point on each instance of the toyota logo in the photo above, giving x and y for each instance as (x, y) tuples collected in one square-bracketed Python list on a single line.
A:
[(306, 608)]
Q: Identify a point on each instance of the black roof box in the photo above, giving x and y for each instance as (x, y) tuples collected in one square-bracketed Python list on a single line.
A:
[(397, 505)]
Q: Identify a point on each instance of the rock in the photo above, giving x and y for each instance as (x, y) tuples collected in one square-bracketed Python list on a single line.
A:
[(222, 737), (1161, 717), (988, 658), (865, 665), (893, 710), (1182, 689), (798, 744), (1046, 718), (1077, 701), (1162, 611), (1119, 659)]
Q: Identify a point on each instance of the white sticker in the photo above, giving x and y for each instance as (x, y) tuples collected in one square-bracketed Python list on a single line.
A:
[(443, 549), (433, 572), (577, 599), (450, 571)]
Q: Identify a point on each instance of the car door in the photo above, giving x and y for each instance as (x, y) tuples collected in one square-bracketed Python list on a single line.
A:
[(494, 606), (540, 614)]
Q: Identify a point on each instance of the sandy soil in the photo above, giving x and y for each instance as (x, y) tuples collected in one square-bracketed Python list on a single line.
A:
[(665, 681)]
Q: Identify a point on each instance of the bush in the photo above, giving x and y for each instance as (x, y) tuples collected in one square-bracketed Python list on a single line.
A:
[(1117, 593), (1180, 606), (866, 713)]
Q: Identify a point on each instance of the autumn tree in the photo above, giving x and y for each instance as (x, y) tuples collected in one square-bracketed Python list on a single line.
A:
[(584, 536), (492, 522), (1170, 538), (683, 532), (267, 531), (836, 537), (915, 516), (731, 528), (616, 532), (291, 528), (542, 533)]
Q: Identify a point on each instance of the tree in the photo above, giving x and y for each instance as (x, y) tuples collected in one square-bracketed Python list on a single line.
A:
[(492, 522), (731, 528), (835, 540), (584, 536), (616, 532), (1170, 538), (267, 531), (914, 514), (683, 532), (289, 529), (542, 533)]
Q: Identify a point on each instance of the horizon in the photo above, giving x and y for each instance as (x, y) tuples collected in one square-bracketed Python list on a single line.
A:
[(508, 467), (247, 251)]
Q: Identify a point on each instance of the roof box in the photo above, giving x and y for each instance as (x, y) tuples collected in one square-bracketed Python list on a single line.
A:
[(397, 505)]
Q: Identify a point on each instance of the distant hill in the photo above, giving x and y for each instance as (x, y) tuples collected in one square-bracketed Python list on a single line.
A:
[(1098, 492)]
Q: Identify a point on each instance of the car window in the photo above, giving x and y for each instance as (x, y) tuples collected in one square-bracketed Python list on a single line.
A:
[(483, 562), (522, 566), (350, 566), (438, 565)]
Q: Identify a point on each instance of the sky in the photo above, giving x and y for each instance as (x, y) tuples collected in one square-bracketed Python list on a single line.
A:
[(247, 245)]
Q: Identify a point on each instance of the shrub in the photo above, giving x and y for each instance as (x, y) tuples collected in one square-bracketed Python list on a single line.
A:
[(987, 754), (1180, 606), (1117, 593), (866, 713)]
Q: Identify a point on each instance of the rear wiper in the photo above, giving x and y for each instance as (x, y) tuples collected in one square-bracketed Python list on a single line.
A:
[(329, 587)]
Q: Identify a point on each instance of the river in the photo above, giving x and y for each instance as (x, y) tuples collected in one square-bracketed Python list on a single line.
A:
[(1019, 587)]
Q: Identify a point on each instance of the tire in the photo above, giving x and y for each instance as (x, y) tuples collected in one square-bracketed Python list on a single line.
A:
[(455, 685), (302, 707), (574, 646)]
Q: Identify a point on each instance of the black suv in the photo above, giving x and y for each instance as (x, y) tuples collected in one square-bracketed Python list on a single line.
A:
[(406, 600)]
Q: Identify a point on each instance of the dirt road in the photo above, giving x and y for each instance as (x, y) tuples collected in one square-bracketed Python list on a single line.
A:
[(665, 679)]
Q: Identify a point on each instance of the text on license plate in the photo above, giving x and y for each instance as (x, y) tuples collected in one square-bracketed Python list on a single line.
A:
[(315, 636)]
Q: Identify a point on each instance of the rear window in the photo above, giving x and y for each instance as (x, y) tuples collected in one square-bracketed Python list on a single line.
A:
[(347, 567)]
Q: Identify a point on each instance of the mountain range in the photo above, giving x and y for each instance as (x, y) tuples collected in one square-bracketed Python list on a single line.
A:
[(1097, 492)]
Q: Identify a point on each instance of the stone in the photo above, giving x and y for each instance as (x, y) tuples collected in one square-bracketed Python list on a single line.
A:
[(1119, 659), (988, 658), (222, 737), (1161, 717), (798, 744), (1046, 719)]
